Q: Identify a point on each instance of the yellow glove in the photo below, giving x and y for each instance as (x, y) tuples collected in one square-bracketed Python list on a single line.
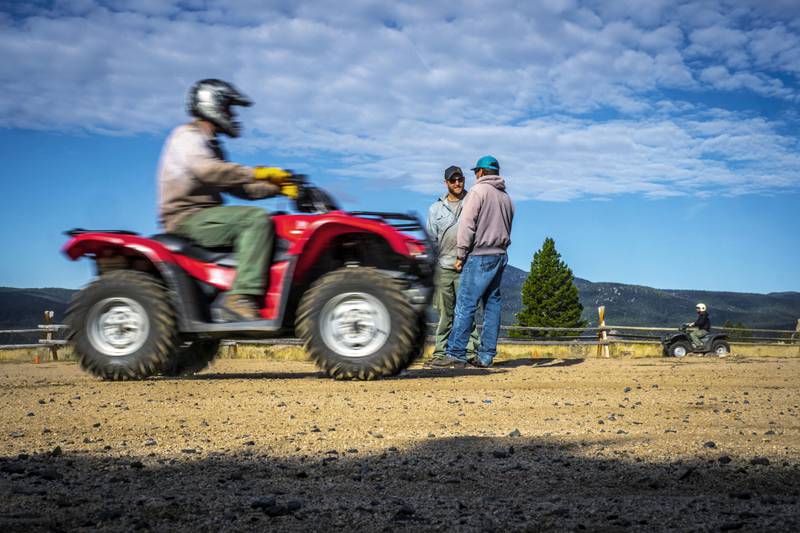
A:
[(290, 190), (275, 175)]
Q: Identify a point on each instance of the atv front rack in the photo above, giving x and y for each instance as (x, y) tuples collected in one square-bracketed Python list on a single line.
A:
[(401, 222), (408, 221)]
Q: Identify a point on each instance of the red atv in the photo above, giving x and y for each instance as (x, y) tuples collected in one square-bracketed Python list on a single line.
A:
[(353, 286)]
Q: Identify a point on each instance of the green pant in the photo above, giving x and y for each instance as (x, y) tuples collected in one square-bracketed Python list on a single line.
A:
[(447, 282), (697, 335), (248, 229)]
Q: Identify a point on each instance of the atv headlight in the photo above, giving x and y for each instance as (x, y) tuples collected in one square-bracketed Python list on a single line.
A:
[(417, 249)]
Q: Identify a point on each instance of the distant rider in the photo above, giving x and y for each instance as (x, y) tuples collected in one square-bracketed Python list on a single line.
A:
[(193, 174), (700, 327)]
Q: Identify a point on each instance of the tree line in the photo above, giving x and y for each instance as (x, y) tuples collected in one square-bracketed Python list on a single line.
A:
[(550, 298)]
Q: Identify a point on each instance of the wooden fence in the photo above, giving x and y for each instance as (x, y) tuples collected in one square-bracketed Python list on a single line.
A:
[(601, 336)]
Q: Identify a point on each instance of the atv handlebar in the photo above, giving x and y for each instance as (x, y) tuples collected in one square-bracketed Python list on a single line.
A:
[(311, 199)]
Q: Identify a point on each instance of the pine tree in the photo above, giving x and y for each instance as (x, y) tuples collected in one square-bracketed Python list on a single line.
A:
[(746, 334), (549, 295)]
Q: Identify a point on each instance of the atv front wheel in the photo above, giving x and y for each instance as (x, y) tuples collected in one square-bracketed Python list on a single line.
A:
[(356, 324), (191, 357), (122, 326), (679, 349)]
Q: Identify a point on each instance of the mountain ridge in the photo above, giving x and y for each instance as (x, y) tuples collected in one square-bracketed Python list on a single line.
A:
[(640, 305), (626, 304)]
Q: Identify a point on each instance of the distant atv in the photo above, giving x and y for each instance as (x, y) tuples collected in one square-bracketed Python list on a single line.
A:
[(680, 344), (353, 286)]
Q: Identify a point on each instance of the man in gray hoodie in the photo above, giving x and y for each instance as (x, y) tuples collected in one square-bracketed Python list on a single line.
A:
[(443, 228), (484, 234)]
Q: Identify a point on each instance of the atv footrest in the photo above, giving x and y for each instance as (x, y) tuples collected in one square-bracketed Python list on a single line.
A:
[(253, 326)]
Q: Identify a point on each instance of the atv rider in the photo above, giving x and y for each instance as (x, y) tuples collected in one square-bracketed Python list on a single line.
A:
[(700, 327), (193, 174)]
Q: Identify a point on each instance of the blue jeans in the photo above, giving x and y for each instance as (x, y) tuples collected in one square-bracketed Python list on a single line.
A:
[(480, 282)]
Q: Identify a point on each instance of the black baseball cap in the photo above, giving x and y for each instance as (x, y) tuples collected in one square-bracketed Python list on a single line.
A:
[(453, 171)]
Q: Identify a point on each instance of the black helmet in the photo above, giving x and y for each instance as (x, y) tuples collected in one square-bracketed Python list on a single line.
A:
[(211, 100)]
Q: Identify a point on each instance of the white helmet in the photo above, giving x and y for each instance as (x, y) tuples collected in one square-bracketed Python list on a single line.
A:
[(701, 308)]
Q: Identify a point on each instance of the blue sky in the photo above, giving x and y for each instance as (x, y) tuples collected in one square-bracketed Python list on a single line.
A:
[(657, 144)]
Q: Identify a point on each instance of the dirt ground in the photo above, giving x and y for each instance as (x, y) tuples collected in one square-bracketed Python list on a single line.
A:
[(598, 445)]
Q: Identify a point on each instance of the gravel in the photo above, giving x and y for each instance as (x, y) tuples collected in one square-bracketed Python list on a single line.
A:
[(248, 446)]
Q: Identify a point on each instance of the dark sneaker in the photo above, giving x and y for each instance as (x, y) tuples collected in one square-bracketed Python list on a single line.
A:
[(446, 361), (478, 363), (236, 308)]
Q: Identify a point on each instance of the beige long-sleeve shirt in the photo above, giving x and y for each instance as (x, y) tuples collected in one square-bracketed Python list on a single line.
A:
[(193, 174)]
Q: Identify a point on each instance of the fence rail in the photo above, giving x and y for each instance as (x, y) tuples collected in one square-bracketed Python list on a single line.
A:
[(601, 336)]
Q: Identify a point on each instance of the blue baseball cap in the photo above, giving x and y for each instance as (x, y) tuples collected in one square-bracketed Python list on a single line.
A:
[(488, 162)]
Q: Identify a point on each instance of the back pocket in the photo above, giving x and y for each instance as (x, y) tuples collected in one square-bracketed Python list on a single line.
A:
[(489, 262)]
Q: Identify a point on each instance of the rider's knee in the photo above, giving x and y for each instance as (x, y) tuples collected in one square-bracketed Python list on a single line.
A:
[(260, 219)]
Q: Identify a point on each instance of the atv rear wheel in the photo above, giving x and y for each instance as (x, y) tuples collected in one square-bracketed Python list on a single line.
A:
[(191, 357), (721, 348), (122, 326), (356, 324), (679, 349)]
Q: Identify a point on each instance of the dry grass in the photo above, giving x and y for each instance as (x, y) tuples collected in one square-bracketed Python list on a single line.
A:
[(27, 355), (271, 352), (505, 352)]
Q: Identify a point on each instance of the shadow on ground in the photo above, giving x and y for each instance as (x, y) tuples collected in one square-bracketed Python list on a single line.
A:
[(465, 483), (411, 373), (251, 375), (544, 361)]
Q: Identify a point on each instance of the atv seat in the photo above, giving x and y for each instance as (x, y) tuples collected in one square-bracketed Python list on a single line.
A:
[(222, 255)]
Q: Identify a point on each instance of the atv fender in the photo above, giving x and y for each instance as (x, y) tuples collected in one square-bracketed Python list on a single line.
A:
[(320, 233), (182, 290)]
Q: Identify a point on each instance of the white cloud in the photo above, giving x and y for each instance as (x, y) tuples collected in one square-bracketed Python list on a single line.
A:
[(720, 78), (721, 41), (572, 96), (776, 48), (565, 158)]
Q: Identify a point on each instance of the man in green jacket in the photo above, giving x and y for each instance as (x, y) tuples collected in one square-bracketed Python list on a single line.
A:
[(192, 176), (443, 228)]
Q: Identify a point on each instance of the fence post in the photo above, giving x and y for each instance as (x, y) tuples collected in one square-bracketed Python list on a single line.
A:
[(48, 335), (602, 348)]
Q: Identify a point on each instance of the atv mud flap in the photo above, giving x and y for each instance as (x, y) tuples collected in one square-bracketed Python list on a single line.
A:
[(417, 293)]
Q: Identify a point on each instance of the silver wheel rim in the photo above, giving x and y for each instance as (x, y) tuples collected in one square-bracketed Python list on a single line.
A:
[(354, 324), (679, 351), (721, 350), (117, 326)]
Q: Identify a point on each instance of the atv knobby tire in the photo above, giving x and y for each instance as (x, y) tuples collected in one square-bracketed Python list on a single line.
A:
[(191, 357), (720, 348), (149, 299), (402, 343), (679, 349)]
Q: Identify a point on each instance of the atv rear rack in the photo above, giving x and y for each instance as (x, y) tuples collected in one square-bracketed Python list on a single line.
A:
[(80, 231)]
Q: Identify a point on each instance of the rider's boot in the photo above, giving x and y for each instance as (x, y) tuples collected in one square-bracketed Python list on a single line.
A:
[(236, 308)]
